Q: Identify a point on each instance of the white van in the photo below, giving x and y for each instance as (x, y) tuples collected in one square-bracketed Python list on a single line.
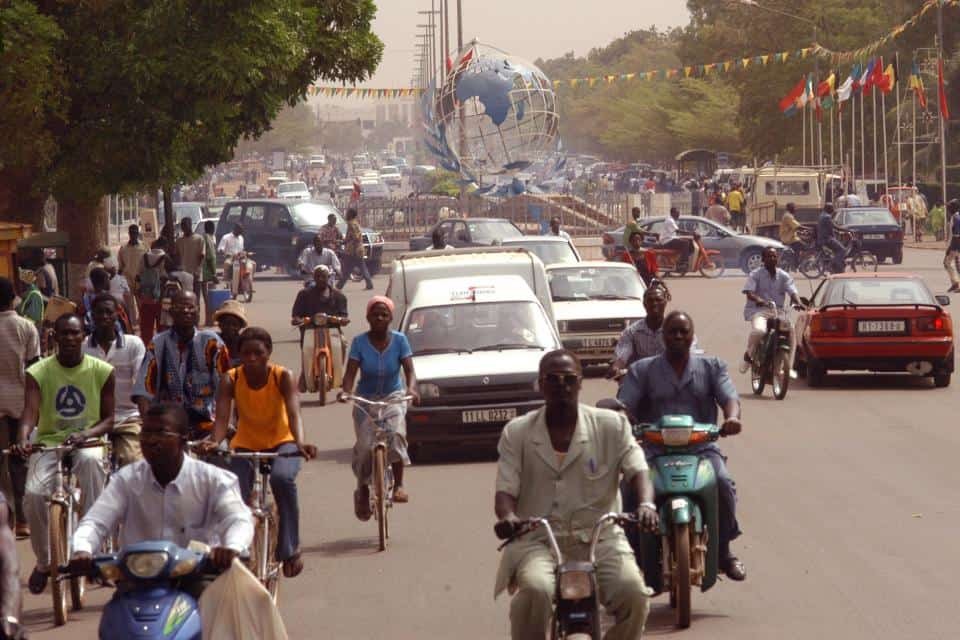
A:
[(410, 269), (477, 343)]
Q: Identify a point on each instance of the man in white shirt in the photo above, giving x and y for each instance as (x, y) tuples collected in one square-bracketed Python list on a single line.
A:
[(670, 237), (315, 255), (230, 245), (125, 353), (555, 229), (167, 496)]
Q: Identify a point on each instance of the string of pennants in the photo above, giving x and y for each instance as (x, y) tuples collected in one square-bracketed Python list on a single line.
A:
[(690, 71), (356, 92)]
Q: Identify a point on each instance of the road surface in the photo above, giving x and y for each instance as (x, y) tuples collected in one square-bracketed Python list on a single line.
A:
[(847, 503)]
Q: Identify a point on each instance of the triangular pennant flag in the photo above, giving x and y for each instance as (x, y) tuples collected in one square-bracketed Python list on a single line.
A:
[(765, 59), (687, 71), (745, 62), (727, 65)]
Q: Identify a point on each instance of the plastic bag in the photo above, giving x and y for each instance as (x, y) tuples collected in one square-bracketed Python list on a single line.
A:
[(236, 607)]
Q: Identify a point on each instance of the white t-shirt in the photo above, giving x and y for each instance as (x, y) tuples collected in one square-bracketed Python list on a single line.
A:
[(230, 244), (119, 287), (126, 355), (670, 228)]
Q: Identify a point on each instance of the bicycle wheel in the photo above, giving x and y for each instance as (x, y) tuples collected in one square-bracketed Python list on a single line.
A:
[(811, 267), (380, 493), (271, 567), (322, 379), (864, 261), (57, 544)]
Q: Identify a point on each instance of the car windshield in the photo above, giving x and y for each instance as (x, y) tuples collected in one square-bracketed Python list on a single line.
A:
[(591, 283), (548, 252), (484, 326), (291, 187), (490, 230), (878, 291), (869, 216), (187, 210), (314, 214)]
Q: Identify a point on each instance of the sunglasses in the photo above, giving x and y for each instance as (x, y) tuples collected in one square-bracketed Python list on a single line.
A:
[(560, 379)]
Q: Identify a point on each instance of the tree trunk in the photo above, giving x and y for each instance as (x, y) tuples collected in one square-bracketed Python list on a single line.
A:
[(86, 223), (19, 200), (167, 224)]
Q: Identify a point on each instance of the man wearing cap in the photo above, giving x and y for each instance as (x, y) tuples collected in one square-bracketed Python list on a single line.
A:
[(317, 255), (231, 318)]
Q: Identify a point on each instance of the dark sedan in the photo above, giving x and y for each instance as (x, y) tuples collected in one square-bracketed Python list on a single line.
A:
[(469, 232), (879, 229)]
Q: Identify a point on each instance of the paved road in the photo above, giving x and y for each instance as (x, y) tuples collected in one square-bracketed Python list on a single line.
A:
[(847, 503)]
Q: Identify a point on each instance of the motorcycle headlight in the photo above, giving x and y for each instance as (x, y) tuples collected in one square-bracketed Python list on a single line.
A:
[(575, 585), (146, 565), (428, 390), (184, 567)]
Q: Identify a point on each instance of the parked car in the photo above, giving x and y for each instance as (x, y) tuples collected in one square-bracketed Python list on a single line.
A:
[(879, 229), (738, 249), (469, 232), (317, 161), (391, 175), (198, 228), (594, 302), (875, 322), (293, 191), (278, 230), (196, 211), (550, 249)]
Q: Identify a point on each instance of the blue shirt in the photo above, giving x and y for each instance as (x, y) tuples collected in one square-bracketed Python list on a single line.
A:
[(652, 389), (824, 228), (771, 288), (380, 370)]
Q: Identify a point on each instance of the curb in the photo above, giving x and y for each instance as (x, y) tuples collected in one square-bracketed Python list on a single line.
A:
[(938, 246)]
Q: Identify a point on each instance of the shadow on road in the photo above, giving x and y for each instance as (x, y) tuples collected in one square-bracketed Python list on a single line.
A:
[(346, 547), (340, 456), (662, 619), (878, 381), (429, 456), (42, 619)]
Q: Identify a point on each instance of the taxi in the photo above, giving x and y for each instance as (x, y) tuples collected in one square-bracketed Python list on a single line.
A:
[(875, 322), (593, 303), (477, 343)]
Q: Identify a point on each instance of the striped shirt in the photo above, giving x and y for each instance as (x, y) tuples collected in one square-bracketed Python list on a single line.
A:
[(639, 341), (19, 343)]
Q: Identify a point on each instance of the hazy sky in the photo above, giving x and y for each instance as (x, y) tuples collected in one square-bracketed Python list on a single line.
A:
[(530, 29)]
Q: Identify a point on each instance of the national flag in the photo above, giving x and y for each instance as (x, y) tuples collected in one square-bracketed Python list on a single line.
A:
[(864, 83), (855, 74), (845, 90), (826, 87), (889, 79), (942, 92), (789, 101), (877, 78), (916, 83)]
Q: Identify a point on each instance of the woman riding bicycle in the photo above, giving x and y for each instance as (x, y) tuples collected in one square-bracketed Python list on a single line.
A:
[(379, 355), (268, 419)]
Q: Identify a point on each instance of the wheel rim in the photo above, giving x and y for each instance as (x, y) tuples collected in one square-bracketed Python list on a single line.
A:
[(780, 376), (756, 380)]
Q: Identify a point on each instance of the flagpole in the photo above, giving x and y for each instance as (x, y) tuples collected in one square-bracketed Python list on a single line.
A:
[(863, 137), (840, 128), (853, 141), (913, 169), (886, 164), (803, 148), (943, 124), (876, 158), (899, 156), (831, 141)]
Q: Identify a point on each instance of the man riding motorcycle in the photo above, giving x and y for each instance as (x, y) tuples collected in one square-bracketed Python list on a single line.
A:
[(564, 462), (765, 285), (678, 383), (230, 245), (318, 254)]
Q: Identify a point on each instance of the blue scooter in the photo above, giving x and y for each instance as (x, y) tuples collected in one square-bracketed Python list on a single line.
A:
[(150, 602)]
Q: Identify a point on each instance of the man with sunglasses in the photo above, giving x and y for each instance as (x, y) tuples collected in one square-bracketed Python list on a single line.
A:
[(678, 383), (564, 462), (167, 496)]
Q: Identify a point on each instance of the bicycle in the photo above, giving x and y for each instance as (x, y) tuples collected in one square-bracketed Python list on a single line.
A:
[(62, 507), (263, 552), (814, 266), (381, 498)]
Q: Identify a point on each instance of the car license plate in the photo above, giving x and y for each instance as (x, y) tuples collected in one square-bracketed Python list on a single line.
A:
[(488, 415), (597, 343), (873, 236), (882, 326)]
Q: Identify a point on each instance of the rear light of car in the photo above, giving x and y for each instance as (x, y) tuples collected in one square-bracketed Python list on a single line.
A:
[(931, 323), (829, 324), (894, 235)]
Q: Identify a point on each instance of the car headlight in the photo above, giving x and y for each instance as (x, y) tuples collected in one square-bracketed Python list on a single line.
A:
[(562, 326), (146, 565), (428, 390)]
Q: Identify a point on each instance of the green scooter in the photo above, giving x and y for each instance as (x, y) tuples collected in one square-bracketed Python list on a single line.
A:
[(685, 552)]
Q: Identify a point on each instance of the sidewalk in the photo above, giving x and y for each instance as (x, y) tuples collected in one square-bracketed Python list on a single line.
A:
[(926, 243)]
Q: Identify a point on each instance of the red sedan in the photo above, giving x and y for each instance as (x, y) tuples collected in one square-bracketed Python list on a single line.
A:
[(875, 322)]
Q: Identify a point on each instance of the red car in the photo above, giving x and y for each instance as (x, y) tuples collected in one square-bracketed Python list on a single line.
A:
[(875, 322)]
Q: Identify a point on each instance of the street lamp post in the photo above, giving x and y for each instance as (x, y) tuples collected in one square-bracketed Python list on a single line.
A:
[(943, 124)]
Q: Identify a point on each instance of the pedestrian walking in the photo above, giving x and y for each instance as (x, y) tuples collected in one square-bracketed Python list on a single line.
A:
[(354, 251)]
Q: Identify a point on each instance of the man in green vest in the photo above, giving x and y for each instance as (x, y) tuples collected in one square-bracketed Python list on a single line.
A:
[(69, 399)]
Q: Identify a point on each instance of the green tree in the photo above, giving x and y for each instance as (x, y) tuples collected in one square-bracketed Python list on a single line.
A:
[(295, 129), (157, 91)]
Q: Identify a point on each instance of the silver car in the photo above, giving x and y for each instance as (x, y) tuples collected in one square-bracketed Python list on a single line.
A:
[(738, 249)]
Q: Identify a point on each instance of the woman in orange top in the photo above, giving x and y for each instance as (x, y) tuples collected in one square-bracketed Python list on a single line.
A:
[(268, 419)]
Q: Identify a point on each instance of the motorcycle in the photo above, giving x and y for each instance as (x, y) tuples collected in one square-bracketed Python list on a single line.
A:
[(150, 602), (241, 280), (709, 262), (576, 602), (771, 362), (323, 354), (685, 552)]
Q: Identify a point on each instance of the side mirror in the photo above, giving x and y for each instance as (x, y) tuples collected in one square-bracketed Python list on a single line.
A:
[(943, 301), (806, 301), (285, 224)]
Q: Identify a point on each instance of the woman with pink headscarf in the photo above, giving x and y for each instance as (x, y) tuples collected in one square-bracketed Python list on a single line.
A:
[(380, 355)]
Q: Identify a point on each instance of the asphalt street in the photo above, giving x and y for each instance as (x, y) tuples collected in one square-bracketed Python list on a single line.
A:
[(847, 503)]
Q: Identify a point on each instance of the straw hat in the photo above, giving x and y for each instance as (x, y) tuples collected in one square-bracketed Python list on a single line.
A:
[(231, 308)]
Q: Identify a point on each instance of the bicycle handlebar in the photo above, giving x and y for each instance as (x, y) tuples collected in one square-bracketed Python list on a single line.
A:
[(39, 448), (344, 397)]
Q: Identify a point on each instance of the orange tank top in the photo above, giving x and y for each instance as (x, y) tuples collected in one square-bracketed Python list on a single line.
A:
[(261, 413)]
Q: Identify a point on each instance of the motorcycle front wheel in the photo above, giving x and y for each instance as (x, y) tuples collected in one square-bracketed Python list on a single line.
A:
[(781, 374), (757, 379), (681, 573)]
